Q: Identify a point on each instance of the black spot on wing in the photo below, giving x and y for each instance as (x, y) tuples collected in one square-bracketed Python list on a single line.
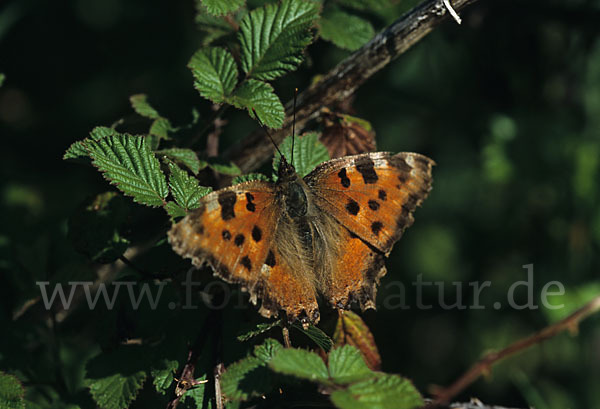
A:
[(250, 206), (373, 205), (227, 201), (256, 234), (226, 235), (246, 263), (366, 167), (270, 261), (382, 194), (376, 227), (239, 240), (352, 207), (344, 178)]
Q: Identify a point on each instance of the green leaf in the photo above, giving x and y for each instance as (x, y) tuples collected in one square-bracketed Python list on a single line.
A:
[(249, 177), (259, 329), (160, 128), (139, 103), (267, 350), (2, 78), (215, 73), (196, 393), (226, 168), (308, 153), (186, 157), (300, 363), (346, 365), (220, 7), (78, 149), (185, 189), (274, 36), (345, 30), (214, 27), (11, 392), (258, 95), (382, 392), (127, 162), (163, 377), (351, 329), (174, 210), (319, 337), (94, 229), (116, 377)]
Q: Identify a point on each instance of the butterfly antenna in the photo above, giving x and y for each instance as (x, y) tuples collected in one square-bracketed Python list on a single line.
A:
[(263, 126), (294, 124)]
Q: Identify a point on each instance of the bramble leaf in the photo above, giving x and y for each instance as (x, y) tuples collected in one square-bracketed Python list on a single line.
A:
[(274, 36), (308, 153), (215, 73), (317, 335), (139, 103), (384, 391), (186, 157), (226, 168), (174, 210), (345, 30), (248, 178), (185, 189), (260, 328), (258, 95), (11, 392), (346, 365), (351, 329), (220, 7), (250, 377), (127, 162), (163, 377), (196, 394), (78, 149), (300, 363)]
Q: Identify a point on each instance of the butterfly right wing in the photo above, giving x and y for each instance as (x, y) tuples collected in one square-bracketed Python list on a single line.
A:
[(233, 231)]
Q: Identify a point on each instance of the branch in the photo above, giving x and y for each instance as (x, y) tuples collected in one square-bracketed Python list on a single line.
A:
[(485, 364), (342, 81)]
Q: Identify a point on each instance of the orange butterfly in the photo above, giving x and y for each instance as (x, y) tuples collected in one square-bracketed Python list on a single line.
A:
[(326, 234)]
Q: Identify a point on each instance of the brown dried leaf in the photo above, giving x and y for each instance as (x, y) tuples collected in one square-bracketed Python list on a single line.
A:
[(352, 330), (346, 135)]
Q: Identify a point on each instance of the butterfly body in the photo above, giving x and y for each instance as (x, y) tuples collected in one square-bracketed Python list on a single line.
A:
[(325, 235)]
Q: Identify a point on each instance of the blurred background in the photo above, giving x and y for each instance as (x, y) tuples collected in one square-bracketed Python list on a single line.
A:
[(507, 104)]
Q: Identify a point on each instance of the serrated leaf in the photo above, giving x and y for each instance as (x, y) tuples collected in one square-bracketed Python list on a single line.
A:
[(174, 210), (250, 376), (351, 329), (345, 30), (382, 392), (308, 153), (78, 149), (139, 103), (301, 364), (346, 365), (127, 162), (163, 377), (226, 168), (220, 7), (319, 337), (186, 157), (160, 128), (259, 329), (11, 392), (249, 177), (185, 189), (2, 78), (116, 377), (196, 393), (274, 36), (214, 27), (215, 73), (94, 228), (258, 95)]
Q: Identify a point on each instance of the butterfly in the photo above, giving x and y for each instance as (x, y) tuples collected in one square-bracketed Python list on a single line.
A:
[(294, 241)]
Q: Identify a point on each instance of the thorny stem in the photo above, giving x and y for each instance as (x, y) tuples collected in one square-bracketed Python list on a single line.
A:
[(484, 365)]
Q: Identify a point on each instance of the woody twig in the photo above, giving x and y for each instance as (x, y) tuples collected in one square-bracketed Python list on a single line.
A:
[(342, 81), (483, 366)]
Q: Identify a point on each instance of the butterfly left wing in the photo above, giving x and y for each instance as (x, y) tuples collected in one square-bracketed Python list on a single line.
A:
[(233, 231), (373, 196)]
